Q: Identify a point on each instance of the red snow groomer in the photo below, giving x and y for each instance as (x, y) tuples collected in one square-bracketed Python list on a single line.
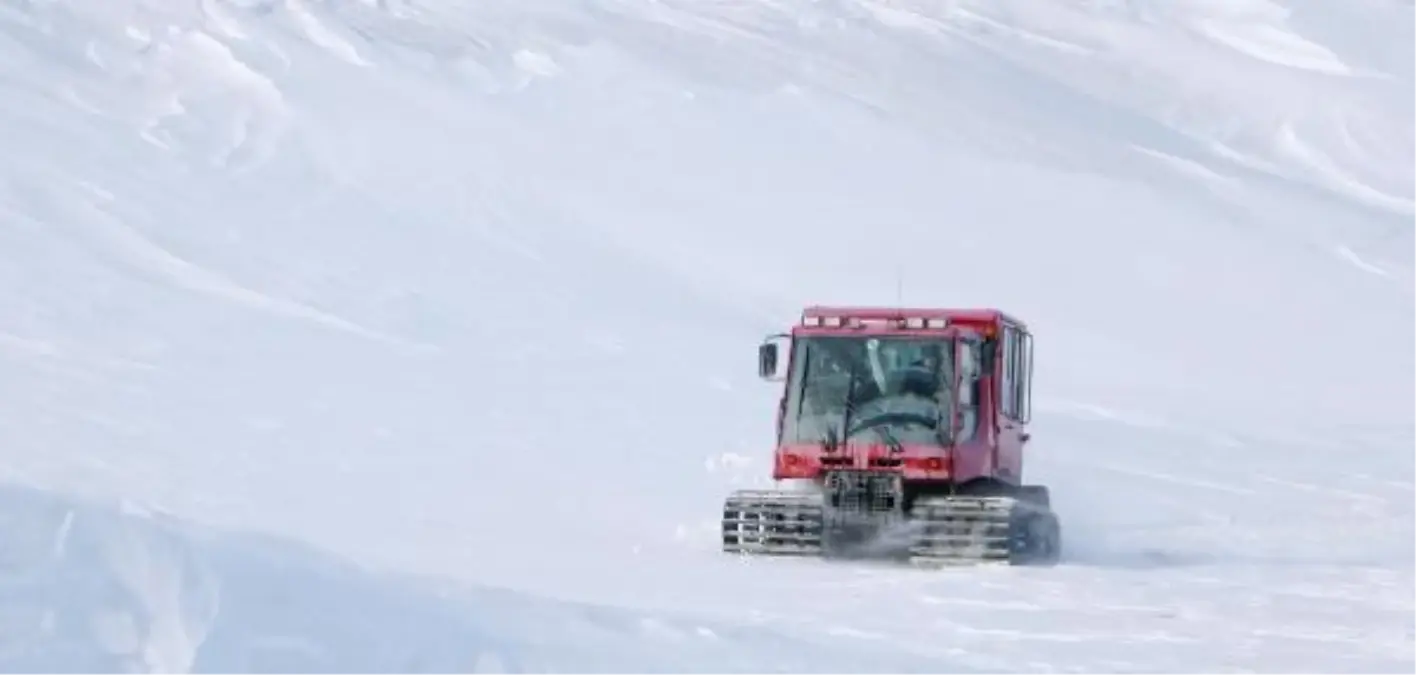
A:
[(904, 431)]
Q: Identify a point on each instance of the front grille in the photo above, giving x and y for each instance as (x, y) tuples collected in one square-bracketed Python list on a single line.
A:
[(864, 492)]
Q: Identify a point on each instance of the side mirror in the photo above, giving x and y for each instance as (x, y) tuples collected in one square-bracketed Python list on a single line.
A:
[(767, 360)]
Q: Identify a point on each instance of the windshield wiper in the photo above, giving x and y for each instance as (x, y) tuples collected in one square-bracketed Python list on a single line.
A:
[(882, 425), (891, 441)]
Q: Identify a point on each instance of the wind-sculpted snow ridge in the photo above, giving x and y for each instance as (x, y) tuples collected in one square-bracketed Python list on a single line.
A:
[(98, 587)]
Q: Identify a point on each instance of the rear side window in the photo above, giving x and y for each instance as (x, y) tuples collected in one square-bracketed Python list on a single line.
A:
[(1015, 388)]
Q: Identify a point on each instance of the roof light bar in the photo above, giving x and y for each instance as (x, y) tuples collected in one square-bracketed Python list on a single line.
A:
[(909, 323)]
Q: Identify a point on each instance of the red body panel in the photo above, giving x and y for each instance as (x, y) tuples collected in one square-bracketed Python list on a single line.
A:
[(994, 451), (916, 462)]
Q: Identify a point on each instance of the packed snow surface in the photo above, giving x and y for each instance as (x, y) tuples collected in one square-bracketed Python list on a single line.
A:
[(419, 334)]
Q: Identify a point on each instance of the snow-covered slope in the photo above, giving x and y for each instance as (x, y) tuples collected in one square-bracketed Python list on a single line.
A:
[(101, 589), (470, 291)]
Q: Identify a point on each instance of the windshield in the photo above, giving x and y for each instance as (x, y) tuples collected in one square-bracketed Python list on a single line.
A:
[(869, 389)]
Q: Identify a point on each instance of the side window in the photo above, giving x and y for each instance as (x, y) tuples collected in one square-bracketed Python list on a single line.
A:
[(1007, 384), (970, 368), (1025, 361)]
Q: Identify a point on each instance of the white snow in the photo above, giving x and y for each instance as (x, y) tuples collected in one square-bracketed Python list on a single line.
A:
[(419, 335)]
